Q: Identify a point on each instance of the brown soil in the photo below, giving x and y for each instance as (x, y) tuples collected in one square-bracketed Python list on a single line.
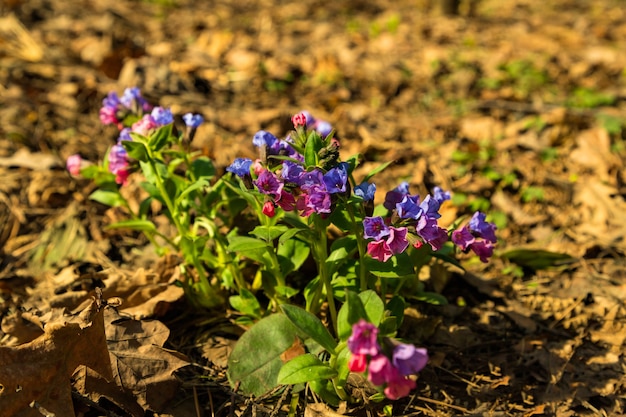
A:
[(517, 107)]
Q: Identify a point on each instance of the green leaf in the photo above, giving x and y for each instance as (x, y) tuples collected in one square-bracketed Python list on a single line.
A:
[(310, 325), (377, 170), (191, 188), (246, 303), (373, 305), (398, 266), (396, 306), (255, 361), (138, 224), (304, 368), (351, 312), (109, 198), (313, 145), (268, 233), (431, 298), (292, 254), (136, 150), (202, 167), (537, 258), (160, 137), (245, 243)]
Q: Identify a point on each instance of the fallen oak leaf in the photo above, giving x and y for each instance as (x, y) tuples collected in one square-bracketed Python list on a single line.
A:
[(39, 371), (142, 369)]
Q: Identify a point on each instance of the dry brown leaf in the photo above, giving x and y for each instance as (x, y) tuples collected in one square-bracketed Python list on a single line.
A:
[(142, 369), (40, 370)]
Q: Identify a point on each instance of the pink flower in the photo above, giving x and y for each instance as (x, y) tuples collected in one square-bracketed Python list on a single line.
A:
[(379, 249), (381, 370), (145, 125), (108, 115), (399, 387), (363, 340), (121, 176), (73, 164), (357, 363), (298, 119)]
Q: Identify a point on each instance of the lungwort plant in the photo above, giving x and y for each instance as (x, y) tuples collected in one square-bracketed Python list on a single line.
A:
[(327, 271)]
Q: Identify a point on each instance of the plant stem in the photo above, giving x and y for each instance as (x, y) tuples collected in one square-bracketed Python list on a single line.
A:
[(320, 248), (360, 242)]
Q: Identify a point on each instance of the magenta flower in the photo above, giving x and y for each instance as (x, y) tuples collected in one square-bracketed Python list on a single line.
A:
[(397, 241), (73, 164), (118, 159), (434, 235), (379, 250), (268, 183), (286, 201), (408, 359), (482, 248), (363, 340)]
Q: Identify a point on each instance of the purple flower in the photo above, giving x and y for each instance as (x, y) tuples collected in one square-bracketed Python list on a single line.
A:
[(374, 228), (118, 159), (482, 248), (312, 179), (292, 172), (73, 164), (323, 128), (263, 138), (111, 100), (133, 100), (409, 207), (482, 228), (240, 167), (319, 200), (440, 196), (336, 179), (193, 120), (363, 340), (397, 241), (430, 207), (162, 116), (379, 250), (463, 238), (428, 229), (267, 183), (408, 359), (124, 135), (365, 190), (396, 195)]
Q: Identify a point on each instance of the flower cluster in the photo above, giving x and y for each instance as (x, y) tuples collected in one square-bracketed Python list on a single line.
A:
[(282, 174), (414, 221), (478, 236), (410, 221), (389, 367), (132, 113)]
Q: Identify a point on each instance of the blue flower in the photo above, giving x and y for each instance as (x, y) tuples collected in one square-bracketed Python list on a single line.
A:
[(396, 195), (262, 138), (193, 120), (240, 167), (409, 207), (162, 116), (365, 190), (374, 228), (336, 179)]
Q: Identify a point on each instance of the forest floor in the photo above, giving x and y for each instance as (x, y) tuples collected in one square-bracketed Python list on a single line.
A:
[(517, 107)]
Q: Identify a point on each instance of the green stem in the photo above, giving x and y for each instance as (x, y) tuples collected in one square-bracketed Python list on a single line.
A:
[(360, 243), (321, 254)]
